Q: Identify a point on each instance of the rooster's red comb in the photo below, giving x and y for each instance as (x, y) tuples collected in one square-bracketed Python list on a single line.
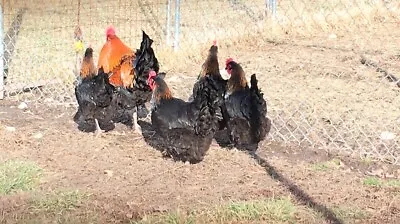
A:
[(229, 60), (110, 31), (214, 42), (152, 74)]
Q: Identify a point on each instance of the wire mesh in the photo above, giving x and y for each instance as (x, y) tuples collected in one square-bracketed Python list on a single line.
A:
[(328, 67)]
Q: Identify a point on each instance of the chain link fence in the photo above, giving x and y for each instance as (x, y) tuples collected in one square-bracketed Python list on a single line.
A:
[(328, 67)]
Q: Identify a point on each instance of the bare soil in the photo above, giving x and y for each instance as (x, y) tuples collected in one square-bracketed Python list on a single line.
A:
[(126, 178)]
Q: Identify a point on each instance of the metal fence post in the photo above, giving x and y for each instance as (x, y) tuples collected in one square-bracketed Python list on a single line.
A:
[(274, 8), (169, 22), (1, 55), (270, 6), (177, 24)]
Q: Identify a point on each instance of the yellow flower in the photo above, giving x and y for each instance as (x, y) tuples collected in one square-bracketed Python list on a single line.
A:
[(78, 46)]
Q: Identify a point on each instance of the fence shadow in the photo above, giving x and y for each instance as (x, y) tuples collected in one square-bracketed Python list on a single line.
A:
[(301, 196)]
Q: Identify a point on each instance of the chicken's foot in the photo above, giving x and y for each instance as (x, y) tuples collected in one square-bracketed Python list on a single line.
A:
[(98, 129), (138, 129)]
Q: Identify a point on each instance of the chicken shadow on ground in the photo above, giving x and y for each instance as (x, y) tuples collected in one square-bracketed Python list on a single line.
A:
[(301, 196)]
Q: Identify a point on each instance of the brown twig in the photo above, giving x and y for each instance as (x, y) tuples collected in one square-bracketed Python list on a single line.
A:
[(387, 75)]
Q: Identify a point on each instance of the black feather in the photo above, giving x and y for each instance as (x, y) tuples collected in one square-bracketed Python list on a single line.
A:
[(187, 128), (95, 97), (210, 68), (247, 123)]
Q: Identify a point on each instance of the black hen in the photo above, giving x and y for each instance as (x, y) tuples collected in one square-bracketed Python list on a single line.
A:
[(94, 96), (99, 102), (210, 68), (247, 123), (187, 128)]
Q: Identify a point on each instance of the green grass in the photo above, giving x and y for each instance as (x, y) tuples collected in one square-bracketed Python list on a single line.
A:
[(60, 207), (54, 207), (393, 183), (320, 167), (377, 182), (367, 160), (270, 210), (372, 181), (327, 165), (349, 214), (18, 176), (58, 202)]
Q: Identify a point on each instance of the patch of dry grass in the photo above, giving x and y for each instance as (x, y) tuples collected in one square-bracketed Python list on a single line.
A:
[(269, 210), (44, 49)]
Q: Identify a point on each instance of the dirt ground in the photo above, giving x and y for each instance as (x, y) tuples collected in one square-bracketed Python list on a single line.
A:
[(127, 179)]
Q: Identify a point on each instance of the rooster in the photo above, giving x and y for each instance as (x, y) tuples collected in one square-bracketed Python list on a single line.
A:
[(247, 123), (145, 61), (187, 128), (129, 70), (210, 68), (116, 57), (99, 102)]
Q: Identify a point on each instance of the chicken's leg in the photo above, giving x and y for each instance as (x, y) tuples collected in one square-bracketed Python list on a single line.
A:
[(138, 129), (148, 117), (98, 129)]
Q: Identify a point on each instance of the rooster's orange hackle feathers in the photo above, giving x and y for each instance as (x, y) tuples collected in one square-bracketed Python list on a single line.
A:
[(117, 58)]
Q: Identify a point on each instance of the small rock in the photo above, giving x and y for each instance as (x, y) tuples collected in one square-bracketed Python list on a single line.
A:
[(38, 135), (10, 129), (108, 172), (22, 106), (332, 36)]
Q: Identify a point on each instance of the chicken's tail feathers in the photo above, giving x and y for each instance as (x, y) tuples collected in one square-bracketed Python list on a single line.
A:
[(146, 41), (100, 71), (103, 76), (259, 122), (256, 94), (254, 82), (207, 102), (145, 61)]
